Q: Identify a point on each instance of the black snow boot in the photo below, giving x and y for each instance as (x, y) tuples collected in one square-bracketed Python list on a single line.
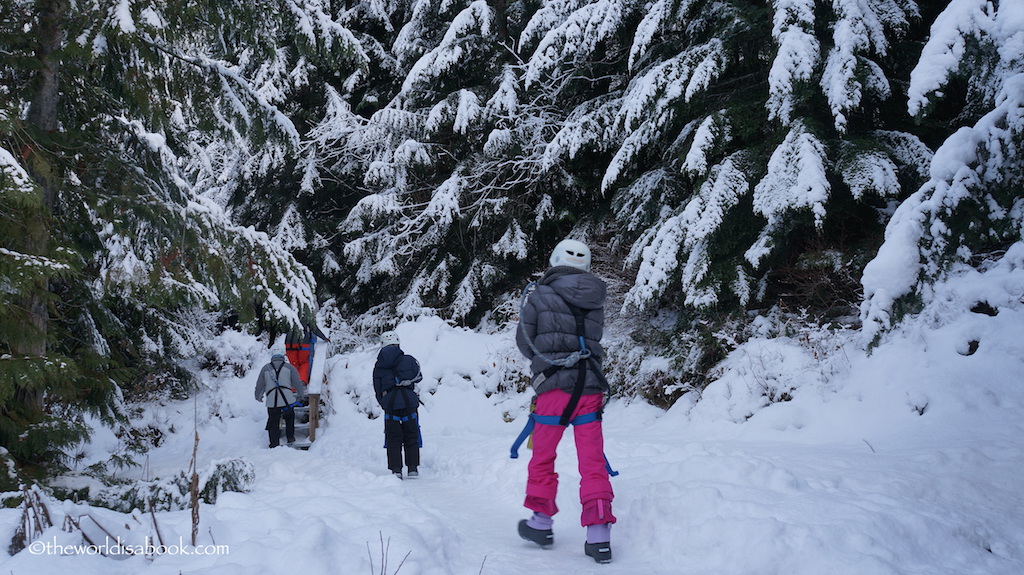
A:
[(543, 537), (601, 552)]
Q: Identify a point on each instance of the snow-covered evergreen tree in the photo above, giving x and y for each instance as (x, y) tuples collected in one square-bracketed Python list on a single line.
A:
[(724, 139), (448, 168), (422, 156), (777, 195), (126, 125), (970, 213)]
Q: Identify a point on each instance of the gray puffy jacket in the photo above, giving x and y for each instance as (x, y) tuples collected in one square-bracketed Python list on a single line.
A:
[(549, 322), (279, 371)]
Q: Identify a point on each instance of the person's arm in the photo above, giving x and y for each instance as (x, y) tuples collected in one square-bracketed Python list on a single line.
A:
[(260, 385), (527, 328), (319, 334), (300, 387), (378, 386)]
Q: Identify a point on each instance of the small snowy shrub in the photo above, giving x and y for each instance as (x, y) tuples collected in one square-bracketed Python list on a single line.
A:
[(172, 493), (236, 475), (229, 355), (661, 365)]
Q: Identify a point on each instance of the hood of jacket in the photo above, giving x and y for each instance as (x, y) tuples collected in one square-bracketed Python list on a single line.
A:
[(389, 356), (276, 363), (579, 288)]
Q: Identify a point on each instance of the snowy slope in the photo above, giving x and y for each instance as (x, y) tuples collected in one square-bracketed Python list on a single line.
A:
[(906, 461)]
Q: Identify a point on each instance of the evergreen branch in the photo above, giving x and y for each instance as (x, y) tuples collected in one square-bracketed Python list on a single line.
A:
[(226, 74)]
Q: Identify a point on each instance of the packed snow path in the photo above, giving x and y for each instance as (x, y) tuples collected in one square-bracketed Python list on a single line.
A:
[(732, 506), (685, 506), (911, 464)]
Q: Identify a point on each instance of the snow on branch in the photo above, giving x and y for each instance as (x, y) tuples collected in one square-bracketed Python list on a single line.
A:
[(652, 23), (513, 243), (37, 266), (480, 274), (549, 16), (922, 240), (685, 238), (338, 122), (235, 88), (584, 127), (368, 208), (314, 23), (473, 21), (867, 171), (711, 133), (640, 202), (678, 78), (947, 47), (290, 233), (859, 30), (720, 192), (646, 133), (443, 208), (647, 106), (576, 39), (796, 178), (907, 149), (461, 111), (13, 176), (505, 100), (793, 30), (414, 39)]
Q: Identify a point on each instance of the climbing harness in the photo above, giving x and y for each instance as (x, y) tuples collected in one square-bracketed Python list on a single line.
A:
[(403, 419), (579, 358), (279, 389), (567, 361), (534, 419)]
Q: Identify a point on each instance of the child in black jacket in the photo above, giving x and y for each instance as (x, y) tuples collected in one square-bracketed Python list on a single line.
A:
[(394, 377)]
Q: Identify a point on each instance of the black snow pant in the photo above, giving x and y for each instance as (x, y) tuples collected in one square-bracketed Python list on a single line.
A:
[(402, 430), (274, 415)]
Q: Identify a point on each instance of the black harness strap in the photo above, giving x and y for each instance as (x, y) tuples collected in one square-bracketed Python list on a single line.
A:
[(581, 379), (278, 388)]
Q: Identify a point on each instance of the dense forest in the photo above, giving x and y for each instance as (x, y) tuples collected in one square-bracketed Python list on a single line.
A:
[(173, 168)]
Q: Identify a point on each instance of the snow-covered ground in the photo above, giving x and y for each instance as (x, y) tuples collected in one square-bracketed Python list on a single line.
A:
[(908, 460)]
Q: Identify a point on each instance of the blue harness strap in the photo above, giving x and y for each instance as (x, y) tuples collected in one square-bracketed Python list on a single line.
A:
[(278, 388), (419, 431), (534, 419), (400, 419)]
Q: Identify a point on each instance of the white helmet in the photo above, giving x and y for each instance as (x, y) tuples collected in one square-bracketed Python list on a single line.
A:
[(571, 253), (277, 352), (389, 338)]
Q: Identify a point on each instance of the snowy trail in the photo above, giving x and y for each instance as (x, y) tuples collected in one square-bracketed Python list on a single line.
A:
[(845, 480), (687, 505), (690, 506), (459, 517)]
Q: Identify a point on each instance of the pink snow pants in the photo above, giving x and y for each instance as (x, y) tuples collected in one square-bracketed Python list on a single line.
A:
[(542, 485)]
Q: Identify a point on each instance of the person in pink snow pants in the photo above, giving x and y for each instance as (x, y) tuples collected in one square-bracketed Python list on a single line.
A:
[(560, 328)]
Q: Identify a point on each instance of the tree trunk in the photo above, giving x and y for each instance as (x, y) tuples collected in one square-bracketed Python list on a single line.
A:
[(500, 19), (42, 111), (42, 119)]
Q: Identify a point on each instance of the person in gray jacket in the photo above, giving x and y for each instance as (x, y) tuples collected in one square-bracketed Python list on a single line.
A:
[(279, 381), (560, 330)]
